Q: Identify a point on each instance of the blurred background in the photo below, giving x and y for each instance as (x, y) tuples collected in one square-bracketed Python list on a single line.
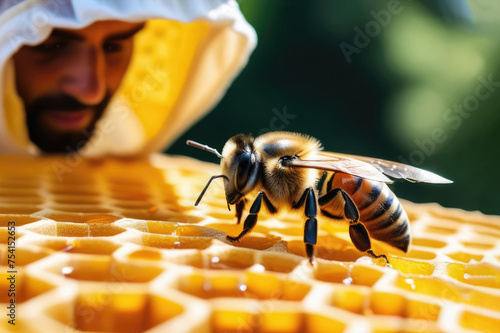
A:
[(416, 82)]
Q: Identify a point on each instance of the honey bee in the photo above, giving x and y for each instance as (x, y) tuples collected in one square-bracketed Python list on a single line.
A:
[(291, 171)]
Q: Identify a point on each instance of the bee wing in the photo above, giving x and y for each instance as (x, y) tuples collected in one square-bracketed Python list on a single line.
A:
[(394, 169), (343, 164)]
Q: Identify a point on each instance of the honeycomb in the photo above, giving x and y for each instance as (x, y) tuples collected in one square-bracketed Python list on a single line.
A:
[(116, 245)]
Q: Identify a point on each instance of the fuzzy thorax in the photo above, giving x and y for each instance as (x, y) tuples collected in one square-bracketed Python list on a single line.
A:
[(284, 184)]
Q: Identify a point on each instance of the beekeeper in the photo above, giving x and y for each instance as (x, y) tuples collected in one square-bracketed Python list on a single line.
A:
[(105, 77)]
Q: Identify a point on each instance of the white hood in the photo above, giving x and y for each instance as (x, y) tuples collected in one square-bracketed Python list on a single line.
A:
[(163, 92)]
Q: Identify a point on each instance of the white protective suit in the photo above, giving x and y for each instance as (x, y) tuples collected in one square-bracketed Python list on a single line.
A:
[(183, 61)]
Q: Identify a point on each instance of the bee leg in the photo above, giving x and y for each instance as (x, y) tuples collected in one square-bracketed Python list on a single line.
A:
[(311, 225), (269, 205), (310, 237), (357, 231), (370, 252), (251, 219), (360, 239), (239, 210)]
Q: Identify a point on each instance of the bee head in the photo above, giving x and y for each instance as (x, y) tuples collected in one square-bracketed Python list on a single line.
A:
[(241, 165)]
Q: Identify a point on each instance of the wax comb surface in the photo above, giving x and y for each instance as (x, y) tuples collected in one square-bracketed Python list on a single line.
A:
[(117, 246)]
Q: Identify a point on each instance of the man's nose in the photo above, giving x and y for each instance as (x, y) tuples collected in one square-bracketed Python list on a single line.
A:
[(85, 77)]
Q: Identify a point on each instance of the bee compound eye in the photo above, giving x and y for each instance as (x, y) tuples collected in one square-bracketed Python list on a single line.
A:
[(244, 163)]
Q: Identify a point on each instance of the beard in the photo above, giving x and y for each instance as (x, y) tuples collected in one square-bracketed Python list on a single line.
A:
[(52, 141)]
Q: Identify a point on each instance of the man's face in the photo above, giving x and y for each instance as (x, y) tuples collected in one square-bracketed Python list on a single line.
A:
[(67, 81)]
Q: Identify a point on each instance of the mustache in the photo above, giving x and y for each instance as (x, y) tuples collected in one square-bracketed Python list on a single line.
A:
[(64, 102)]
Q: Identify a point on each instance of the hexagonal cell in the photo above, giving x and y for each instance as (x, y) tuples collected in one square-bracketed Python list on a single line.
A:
[(193, 258), (145, 254), (19, 220), (482, 299), (488, 232), (279, 262), (392, 304), (77, 245), (382, 324), (340, 273), (173, 242), (77, 189), (267, 317), (321, 323), (66, 229), (24, 255), (124, 181), (350, 298), (483, 222), (19, 192), (11, 176), (233, 229), (479, 322), (329, 271), (132, 204), (281, 317), (420, 254), (26, 286), (25, 200), (159, 214), (444, 290), (4, 235), (104, 230), (229, 258), (91, 246), (68, 199), (250, 285), (195, 230), (480, 274), (79, 208), (427, 286), (163, 228), (19, 208), (202, 286), (20, 183), (365, 275), (178, 229), (100, 309), (440, 230), (481, 245), (102, 268), (407, 266), (233, 320), (126, 193), (433, 243), (51, 243), (82, 218), (465, 257)]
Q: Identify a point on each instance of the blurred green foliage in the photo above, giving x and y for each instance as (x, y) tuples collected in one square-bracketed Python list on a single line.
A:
[(412, 89)]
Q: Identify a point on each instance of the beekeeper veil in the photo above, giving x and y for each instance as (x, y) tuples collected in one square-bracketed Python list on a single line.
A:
[(183, 61)]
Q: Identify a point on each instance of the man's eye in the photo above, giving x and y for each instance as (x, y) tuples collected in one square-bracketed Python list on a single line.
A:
[(112, 47), (50, 47)]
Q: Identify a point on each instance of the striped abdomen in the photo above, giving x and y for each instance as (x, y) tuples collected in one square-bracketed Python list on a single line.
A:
[(379, 210)]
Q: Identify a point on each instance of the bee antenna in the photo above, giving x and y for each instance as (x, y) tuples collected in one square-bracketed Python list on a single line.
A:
[(206, 187), (204, 147)]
